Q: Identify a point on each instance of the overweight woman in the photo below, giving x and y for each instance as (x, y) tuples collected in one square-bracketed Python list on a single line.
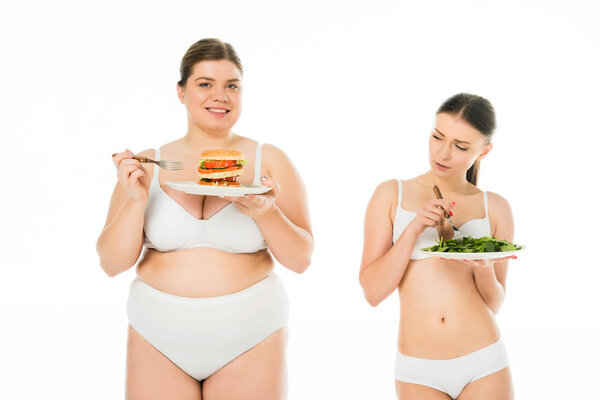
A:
[(449, 345), (207, 314)]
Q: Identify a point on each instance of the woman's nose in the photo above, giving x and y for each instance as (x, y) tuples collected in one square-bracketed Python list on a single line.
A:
[(445, 153), (220, 95)]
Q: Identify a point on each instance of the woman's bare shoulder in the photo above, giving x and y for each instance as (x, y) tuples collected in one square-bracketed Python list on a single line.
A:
[(389, 187), (497, 202), (271, 151), (274, 158), (386, 193)]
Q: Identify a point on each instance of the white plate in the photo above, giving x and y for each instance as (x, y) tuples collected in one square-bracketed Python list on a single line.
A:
[(194, 188), (471, 256)]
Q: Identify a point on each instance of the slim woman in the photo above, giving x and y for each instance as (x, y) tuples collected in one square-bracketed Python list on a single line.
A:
[(207, 314), (449, 345)]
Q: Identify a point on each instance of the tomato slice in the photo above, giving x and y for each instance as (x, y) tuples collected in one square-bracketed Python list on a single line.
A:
[(208, 164)]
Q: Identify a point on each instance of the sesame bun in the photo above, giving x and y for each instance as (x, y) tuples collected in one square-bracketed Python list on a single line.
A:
[(218, 154), (221, 175)]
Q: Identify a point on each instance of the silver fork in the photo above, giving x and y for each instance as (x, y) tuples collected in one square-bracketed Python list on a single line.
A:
[(172, 165), (438, 194)]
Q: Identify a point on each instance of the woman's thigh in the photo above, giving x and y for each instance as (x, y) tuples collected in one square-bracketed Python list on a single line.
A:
[(259, 373), (151, 375), (496, 386), (412, 391)]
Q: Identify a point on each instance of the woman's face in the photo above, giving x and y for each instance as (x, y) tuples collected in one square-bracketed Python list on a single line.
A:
[(454, 145), (212, 95)]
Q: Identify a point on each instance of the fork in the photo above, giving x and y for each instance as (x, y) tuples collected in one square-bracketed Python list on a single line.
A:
[(171, 165), (438, 195)]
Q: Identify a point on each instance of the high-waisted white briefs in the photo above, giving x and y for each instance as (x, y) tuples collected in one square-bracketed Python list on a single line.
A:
[(201, 335)]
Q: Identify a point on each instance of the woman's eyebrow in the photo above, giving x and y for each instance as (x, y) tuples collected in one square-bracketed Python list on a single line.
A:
[(212, 80), (456, 140)]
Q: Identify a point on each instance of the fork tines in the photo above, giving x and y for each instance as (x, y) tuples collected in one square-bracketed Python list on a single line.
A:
[(172, 165)]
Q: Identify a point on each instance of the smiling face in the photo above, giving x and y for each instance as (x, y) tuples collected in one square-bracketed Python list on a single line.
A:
[(212, 95), (454, 145)]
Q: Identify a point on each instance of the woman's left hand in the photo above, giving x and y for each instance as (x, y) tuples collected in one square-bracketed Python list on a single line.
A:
[(257, 205)]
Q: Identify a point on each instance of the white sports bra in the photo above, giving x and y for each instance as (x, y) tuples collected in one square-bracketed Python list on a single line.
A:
[(169, 227), (475, 227)]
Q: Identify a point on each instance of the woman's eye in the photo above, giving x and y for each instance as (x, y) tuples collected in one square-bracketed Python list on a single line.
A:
[(461, 148), (233, 86), (204, 84), (437, 137)]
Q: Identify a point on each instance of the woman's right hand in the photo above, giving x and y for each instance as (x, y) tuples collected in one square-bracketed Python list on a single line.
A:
[(431, 214), (132, 176)]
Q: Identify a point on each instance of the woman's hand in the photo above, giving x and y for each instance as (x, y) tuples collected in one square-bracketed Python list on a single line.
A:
[(257, 205), (132, 176), (431, 214)]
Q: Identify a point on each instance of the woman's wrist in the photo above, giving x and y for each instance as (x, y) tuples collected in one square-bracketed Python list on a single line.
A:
[(137, 203), (413, 229)]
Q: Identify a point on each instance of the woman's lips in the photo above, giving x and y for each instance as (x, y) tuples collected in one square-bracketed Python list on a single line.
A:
[(441, 167), (217, 111)]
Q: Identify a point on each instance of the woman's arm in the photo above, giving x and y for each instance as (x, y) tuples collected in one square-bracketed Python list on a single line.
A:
[(282, 213), (121, 241), (490, 275), (384, 262)]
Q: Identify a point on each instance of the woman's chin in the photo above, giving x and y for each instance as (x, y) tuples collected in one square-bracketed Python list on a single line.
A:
[(443, 172)]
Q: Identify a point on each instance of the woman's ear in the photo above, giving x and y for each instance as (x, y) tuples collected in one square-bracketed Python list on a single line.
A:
[(180, 93), (485, 151)]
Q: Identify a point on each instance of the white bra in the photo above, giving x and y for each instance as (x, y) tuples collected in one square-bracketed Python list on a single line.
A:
[(169, 227), (475, 227)]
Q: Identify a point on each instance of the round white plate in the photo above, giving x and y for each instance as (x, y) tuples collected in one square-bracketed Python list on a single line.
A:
[(472, 256), (194, 188)]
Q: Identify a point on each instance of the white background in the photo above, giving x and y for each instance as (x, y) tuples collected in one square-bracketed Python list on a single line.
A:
[(343, 86)]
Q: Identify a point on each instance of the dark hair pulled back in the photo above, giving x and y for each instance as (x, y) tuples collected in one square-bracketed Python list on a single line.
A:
[(477, 112), (203, 50)]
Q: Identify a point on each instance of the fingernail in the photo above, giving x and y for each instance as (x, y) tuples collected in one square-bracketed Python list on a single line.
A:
[(246, 196), (452, 204), (130, 152), (514, 257), (452, 215)]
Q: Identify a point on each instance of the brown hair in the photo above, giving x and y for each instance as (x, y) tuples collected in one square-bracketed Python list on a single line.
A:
[(206, 49), (477, 112)]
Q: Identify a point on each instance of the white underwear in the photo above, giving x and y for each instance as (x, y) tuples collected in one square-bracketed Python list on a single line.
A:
[(451, 376), (201, 335)]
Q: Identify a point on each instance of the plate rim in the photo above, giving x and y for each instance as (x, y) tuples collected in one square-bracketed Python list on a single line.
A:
[(498, 254), (234, 189)]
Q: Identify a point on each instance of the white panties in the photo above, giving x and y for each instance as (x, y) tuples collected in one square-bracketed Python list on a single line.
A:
[(201, 335), (451, 376)]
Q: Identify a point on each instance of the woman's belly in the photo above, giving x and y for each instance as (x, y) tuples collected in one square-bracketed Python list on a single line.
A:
[(442, 315), (203, 272)]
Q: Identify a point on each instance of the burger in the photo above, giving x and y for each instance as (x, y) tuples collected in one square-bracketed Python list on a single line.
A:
[(221, 167)]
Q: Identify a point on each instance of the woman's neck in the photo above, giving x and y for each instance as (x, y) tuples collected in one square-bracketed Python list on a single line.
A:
[(453, 184), (199, 139)]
